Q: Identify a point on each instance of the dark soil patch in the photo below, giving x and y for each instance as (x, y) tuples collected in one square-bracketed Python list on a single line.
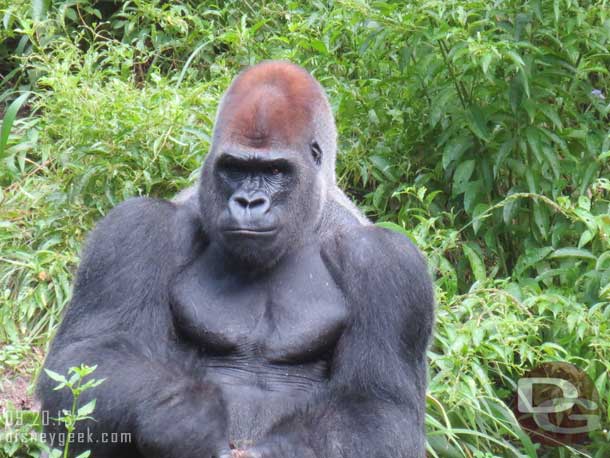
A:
[(14, 391), (16, 382)]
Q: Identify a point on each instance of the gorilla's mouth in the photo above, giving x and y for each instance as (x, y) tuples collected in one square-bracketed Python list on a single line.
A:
[(251, 232)]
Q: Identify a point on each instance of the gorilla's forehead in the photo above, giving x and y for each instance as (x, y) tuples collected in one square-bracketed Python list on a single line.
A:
[(271, 103)]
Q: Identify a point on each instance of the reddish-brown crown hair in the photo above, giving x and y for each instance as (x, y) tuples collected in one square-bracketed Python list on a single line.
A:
[(269, 104)]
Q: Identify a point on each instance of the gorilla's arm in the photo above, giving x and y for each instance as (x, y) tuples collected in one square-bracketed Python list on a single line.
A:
[(119, 320), (375, 404)]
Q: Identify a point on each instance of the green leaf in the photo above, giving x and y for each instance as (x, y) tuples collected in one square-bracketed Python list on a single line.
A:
[(455, 149), (556, 10), (552, 114), (72, 380), (587, 178), (40, 9), (476, 264), (318, 46), (404, 57), (504, 150), (55, 376), (477, 219), (516, 58), (542, 220), (508, 210), (87, 409), (555, 138), (470, 195), (383, 165), (515, 95), (524, 82), (9, 119), (477, 123), (534, 141), (379, 197), (585, 238), (83, 370), (396, 228), (485, 61), (552, 159), (462, 174), (530, 258), (532, 181), (573, 253)]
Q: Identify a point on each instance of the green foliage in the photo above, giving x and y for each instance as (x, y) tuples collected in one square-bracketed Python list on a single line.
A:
[(69, 418), (479, 129), (19, 434)]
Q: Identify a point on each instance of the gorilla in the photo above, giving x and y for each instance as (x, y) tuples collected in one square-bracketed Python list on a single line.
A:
[(258, 315)]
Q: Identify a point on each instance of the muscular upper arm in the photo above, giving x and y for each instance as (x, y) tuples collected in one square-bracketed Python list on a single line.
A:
[(389, 292), (129, 257)]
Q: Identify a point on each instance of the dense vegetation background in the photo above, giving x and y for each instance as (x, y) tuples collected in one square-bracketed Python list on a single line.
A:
[(479, 128)]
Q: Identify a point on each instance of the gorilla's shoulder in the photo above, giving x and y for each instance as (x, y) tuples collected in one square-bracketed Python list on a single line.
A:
[(136, 219), (369, 245), (144, 228), (381, 272), (138, 211)]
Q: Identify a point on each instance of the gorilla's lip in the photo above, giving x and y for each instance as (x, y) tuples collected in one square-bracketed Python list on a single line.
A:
[(251, 231)]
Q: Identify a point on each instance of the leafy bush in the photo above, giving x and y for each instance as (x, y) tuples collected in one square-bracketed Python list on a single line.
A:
[(478, 128)]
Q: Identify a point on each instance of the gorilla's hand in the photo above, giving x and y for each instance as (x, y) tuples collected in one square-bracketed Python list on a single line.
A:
[(237, 453), (185, 420), (277, 447)]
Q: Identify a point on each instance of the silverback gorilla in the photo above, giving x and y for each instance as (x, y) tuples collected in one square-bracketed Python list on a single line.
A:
[(259, 315)]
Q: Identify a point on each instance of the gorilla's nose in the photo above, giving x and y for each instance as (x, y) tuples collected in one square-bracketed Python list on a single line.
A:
[(256, 204)]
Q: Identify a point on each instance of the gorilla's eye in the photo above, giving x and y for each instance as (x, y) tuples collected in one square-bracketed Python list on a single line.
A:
[(316, 152), (272, 170), (233, 169)]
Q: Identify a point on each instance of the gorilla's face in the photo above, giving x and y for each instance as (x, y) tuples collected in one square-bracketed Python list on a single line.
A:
[(264, 181), (268, 200)]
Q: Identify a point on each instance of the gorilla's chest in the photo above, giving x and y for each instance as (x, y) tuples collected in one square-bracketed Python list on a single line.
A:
[(291, 316)]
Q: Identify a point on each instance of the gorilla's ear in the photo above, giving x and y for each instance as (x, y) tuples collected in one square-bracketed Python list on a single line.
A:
[(316, 152)]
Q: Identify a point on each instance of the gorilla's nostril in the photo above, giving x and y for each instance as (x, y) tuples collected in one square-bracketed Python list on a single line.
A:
[(242, 201), (258, 202)]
